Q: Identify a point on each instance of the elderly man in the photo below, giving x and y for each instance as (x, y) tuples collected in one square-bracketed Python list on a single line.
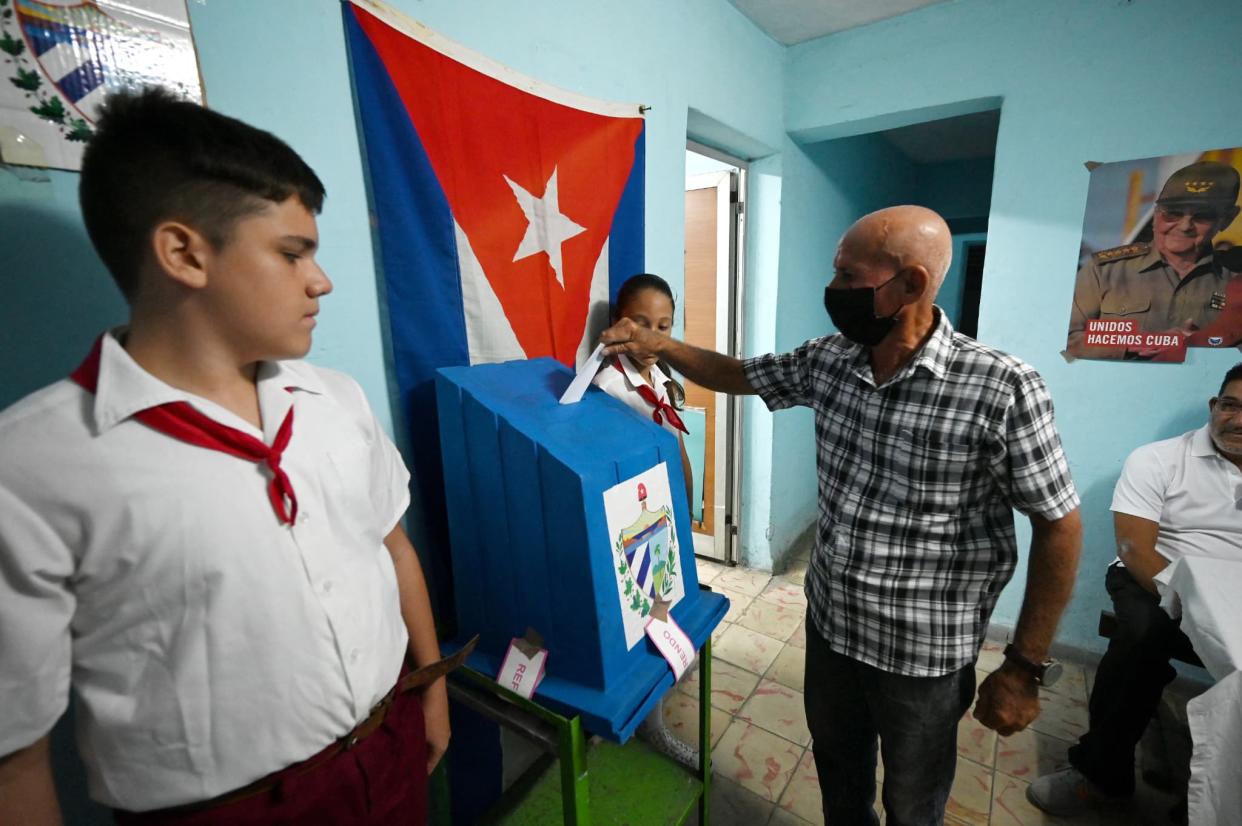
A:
[(1176, 283), (926, 441), (1177, 497)]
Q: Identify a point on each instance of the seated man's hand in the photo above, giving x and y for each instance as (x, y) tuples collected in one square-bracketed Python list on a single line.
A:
[(1008, 700), (627, 337)]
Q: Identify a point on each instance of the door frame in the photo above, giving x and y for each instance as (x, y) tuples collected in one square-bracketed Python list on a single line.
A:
[(730, 282)]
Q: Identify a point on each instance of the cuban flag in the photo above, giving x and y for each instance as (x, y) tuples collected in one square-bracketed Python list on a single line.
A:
[(506, 213)]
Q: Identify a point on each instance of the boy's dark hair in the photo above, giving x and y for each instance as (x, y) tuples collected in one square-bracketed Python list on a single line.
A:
[(1234, 374), (156, 157), (632, 287)]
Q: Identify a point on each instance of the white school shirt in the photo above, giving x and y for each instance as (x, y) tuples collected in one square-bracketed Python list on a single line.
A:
[(1190, 490), (624, 387), (207, 643)]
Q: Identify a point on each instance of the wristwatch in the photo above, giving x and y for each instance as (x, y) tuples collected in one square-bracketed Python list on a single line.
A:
[(1045, 673)]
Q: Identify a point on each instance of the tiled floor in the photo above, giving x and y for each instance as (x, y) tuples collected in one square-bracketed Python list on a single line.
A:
[(764, 771)]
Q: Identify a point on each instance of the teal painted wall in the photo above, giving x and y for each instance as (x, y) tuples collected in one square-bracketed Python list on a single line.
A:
[(764, 209), (827, 186), (956, 189), (952, 292), (831, 183), (57, 294), (960, 191), (642, 52), (281, 65), (1073, 88), (700, 66)]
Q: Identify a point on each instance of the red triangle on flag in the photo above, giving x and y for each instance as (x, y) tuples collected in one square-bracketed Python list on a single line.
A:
[(503, 155)]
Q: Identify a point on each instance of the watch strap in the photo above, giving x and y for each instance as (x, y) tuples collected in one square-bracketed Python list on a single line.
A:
[(1015, 656)]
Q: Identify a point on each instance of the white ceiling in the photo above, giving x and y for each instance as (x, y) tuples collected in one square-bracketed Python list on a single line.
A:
[(793, 21)]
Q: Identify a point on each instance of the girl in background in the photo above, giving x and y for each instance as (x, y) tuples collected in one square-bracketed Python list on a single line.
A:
[(647, 300)]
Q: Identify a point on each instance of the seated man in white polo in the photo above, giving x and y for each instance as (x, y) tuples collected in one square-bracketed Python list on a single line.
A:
[(1177, 497)]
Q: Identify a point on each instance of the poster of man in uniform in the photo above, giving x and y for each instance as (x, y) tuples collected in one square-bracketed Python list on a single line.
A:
[(60, 58), (1160, 255)]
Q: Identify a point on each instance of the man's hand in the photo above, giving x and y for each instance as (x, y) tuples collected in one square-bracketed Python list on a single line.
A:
[(627, 337), (706, 368), (1009, 697), (436, 721), (1008, 700)]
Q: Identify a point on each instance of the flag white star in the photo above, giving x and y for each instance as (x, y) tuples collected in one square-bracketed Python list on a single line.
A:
[(547, 227)]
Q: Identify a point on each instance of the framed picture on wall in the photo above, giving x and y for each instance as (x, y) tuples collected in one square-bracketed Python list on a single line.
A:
[(60, 58), (1159, 260)]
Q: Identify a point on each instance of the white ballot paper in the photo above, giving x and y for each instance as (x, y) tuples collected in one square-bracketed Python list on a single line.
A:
[(578, 387)]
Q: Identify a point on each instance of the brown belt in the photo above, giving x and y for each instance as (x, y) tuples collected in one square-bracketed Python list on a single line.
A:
[(413, 681)]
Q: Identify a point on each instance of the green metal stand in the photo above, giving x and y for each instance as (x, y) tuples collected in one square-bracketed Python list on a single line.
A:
[(705, 731), (604, 783)]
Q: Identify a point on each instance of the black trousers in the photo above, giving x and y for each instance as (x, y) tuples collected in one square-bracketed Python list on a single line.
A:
[(1128, 684), (850, 705)]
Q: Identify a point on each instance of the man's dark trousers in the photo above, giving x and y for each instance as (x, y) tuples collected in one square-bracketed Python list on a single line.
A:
[(849, 704), (1128, 684)]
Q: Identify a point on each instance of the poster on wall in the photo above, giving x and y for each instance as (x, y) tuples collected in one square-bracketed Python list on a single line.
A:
[(644, 548), (60, 58), (1158, 263)]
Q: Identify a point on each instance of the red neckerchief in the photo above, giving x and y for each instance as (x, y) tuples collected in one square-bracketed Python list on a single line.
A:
[(662, 409), (181, 421)]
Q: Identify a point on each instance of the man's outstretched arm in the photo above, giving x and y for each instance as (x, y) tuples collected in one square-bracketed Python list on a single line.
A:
[(706, 368)]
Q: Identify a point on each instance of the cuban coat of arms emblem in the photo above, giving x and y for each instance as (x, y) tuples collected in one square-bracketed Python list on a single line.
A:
[(646, 557)]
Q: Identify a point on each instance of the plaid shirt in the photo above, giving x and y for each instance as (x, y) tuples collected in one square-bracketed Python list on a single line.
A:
[(918, 479)]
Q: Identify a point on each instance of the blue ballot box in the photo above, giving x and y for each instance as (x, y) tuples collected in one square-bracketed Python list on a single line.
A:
[(525, 479)]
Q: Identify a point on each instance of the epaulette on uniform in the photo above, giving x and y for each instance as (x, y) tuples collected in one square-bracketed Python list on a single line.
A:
[(1118, 253)]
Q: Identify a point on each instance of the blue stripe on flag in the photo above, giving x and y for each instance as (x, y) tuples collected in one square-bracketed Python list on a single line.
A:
[(626, 244), (422, 286)]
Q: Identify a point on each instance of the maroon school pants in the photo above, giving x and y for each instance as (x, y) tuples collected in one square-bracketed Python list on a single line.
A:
[(381, 780)]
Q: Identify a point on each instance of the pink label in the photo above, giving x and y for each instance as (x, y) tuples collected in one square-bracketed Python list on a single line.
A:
[(672, 643), (521, 674)]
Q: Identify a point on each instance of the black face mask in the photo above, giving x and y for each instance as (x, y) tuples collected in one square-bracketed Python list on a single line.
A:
[(852, 310)]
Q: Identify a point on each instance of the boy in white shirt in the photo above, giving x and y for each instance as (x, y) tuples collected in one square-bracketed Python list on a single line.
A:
[(200, 533)]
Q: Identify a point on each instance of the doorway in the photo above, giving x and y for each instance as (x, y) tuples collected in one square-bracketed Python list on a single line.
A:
[(715, 217), (948, 165), (973, 252)]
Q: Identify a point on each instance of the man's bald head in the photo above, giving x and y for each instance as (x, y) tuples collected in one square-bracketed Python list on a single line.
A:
[(904, 236)]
